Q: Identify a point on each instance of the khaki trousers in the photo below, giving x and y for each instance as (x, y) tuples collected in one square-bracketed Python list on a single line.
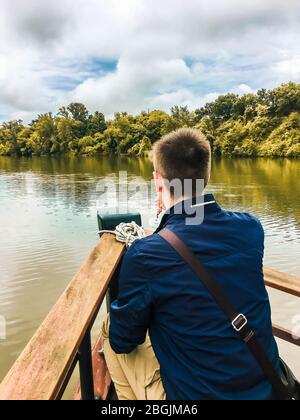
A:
[(136, 376)]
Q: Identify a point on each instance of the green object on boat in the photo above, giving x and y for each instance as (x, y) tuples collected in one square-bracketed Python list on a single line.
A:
[(109, 219)]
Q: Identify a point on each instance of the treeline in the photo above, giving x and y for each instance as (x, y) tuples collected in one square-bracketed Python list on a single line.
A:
[(262, 124)]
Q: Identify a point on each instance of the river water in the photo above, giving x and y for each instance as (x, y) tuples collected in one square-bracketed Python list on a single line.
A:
[(48, 226)]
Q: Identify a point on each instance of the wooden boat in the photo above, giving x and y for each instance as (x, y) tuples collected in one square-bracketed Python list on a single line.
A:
[(44, 369)]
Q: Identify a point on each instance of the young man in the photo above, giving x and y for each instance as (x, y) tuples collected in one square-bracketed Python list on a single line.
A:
[(196, 353)]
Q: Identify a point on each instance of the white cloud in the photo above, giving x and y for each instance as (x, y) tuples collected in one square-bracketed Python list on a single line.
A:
[(242, 89), (132, 85), (288, 68), (166, 53)]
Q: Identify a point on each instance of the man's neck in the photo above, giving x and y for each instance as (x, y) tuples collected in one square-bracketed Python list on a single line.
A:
[(171, 201)]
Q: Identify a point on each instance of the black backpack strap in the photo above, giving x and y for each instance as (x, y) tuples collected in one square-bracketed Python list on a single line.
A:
[(238, 320)]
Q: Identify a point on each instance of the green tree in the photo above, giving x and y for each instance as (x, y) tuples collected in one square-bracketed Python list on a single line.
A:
[(230, 135), (68, 133), (262, 124), (285, 99), (207, 128), (23, 141), (9, 137), (182, 117), (91, 145), (285, 139), (141, 148), (222, 109), (157, 124), (111, 139), (43, 138), (79, 113), (76, 111), (96, 124)]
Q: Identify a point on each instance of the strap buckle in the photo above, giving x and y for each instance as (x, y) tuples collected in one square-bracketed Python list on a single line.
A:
[(239, 323)]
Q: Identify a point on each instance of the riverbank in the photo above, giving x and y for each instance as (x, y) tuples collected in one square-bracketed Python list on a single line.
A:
[(265, 124)]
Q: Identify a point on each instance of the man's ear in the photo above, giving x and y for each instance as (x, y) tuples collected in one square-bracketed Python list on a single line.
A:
[(159, 182)]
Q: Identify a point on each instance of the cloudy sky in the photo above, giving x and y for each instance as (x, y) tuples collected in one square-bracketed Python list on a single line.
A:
[(133, 55)]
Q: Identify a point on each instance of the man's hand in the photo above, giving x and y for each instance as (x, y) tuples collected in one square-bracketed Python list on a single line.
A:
[(148, 232)]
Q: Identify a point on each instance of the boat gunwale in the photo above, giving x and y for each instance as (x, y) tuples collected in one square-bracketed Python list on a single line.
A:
[(41, 372)]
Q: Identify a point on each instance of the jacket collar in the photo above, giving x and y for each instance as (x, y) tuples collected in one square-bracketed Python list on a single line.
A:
[(184, 209)]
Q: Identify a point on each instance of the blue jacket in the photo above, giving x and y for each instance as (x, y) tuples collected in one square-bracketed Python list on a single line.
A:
[(200, 355)]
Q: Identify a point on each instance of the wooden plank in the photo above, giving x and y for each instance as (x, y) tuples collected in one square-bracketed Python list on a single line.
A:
[(282, 281), (40, 370), (286, 335)]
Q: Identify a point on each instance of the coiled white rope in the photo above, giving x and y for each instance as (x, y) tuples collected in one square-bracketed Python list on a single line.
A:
[(126, 233)]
